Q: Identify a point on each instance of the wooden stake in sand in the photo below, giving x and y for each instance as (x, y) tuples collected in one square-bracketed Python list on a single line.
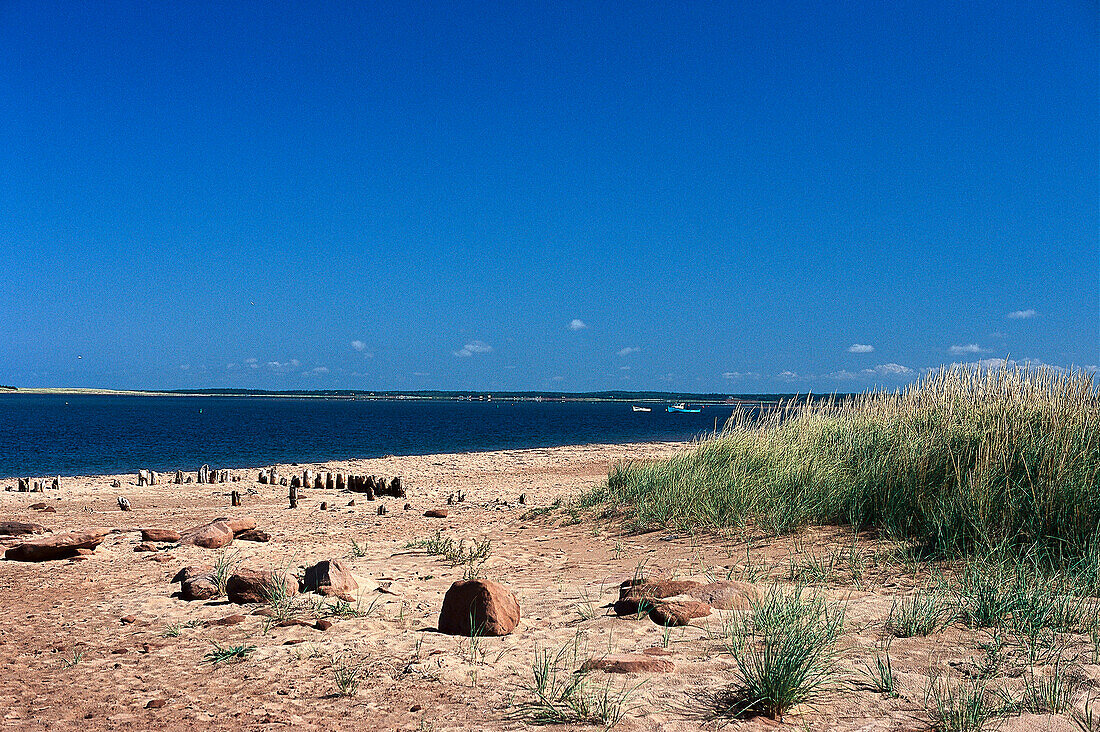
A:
[(294, 496), (235, 498)]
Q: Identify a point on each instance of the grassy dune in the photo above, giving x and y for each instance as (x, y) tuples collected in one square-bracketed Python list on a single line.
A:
[(965, 460)]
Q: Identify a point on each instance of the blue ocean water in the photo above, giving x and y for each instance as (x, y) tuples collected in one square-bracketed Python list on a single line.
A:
[(91, 434)]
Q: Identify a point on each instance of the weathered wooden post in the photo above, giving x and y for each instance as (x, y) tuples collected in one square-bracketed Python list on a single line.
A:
[(294, 496), (235, 498), (204, 474)]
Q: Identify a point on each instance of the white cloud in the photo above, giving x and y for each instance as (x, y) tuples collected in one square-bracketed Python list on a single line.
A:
[(889, 369), (628, 350), (788, 376), (557, 378), (318, 370), (860, 348), (963, 350), (577, 324), (358, 345), (1021, 314), (252, 363), (624, 368), (737, 375), (473, 347), (184, 366), (283, 365), (421, 373)]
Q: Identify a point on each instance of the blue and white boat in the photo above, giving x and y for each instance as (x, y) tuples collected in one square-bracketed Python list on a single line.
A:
[(684, 408)]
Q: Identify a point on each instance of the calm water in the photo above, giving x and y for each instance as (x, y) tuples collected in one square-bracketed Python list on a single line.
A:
[(82, 435)]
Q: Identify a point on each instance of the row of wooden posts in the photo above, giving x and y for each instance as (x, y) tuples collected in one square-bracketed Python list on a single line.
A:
[(37, 485), (371, 485)]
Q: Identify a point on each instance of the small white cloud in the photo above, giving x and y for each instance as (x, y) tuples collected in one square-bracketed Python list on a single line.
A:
[(788, 376), (964, 350), (624, 368), (860, 348), (318, 370), (889, 369), (421, 373), (283, 365), (358, 345), (473, 347), (557, 378), (251, 360), (738, 375), (628, 350), (184, 366), (577, 324), (1021, 314)]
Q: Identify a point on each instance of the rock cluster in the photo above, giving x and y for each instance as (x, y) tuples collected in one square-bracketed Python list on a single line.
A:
[(218, 533), (678, 602)]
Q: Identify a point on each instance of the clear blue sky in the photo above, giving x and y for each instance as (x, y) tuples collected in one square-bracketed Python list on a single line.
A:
[(734, 197)]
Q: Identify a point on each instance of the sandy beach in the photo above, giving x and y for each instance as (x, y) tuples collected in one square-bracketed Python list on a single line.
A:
[(101, 642)]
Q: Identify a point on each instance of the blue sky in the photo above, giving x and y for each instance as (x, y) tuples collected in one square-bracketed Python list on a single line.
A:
[(702, 197)]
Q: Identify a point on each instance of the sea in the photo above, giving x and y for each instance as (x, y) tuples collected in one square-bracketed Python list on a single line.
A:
[(85, 434)]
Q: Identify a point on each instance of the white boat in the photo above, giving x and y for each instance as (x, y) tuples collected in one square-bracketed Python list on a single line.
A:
[(636, 408)]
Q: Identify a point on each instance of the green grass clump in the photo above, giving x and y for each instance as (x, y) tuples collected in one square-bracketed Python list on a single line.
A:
[(920, 614), (785, 653), (966, 459)]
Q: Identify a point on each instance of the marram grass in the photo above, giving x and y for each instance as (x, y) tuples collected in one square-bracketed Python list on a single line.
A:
[(967, 459)]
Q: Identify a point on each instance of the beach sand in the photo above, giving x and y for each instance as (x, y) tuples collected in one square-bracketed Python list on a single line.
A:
[(71, 661)]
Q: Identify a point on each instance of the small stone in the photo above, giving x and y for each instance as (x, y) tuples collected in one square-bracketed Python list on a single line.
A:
[(128, 619), (628, 663), (436, 513), (253, 535), (655, 651), (323, 624), (227, 620), (145, 547), (156, 703), (330, 577), (415, 708), (408, 506)]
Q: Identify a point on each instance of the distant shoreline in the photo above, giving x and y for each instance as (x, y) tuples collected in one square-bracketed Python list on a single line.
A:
[(464, 396)]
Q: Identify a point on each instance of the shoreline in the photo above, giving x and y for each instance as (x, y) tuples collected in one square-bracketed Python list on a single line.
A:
[(351, 462)]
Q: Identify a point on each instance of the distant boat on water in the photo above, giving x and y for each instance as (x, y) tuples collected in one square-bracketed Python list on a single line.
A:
[(682, 407), (636, 408)]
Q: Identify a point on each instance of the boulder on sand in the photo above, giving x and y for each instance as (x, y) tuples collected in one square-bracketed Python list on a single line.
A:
[(197, 583), (639, 595), (20, 528), (160, 535), (217, 533), (213, 535), (628, 663), (257, 585), (58, 546), (253, 535), (677, 613), (330, 577), (488, 607)]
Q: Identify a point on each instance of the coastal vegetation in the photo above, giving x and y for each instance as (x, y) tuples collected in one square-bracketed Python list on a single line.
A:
[(968, 460)]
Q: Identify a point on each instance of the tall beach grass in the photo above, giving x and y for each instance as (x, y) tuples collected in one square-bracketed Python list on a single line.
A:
[(968, 459)]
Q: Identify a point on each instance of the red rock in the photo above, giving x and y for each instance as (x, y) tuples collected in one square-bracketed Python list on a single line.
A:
[(19, 528), (120, 651), (436, 513), (196, 583), (145, 547), (293, 622), (253, 535), (128, 619), (213, 535), (49, 509), (38, 506), (655, 651), (641, 595), (726, 594), (227, 620), (160, 535), (265, 611), (254, 585), (58, 546), (160, 558), (190, 572), (676, 613), (156, 703), (239, 524), (323, 624), (330, 577), (491, 606), (628, 663)]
